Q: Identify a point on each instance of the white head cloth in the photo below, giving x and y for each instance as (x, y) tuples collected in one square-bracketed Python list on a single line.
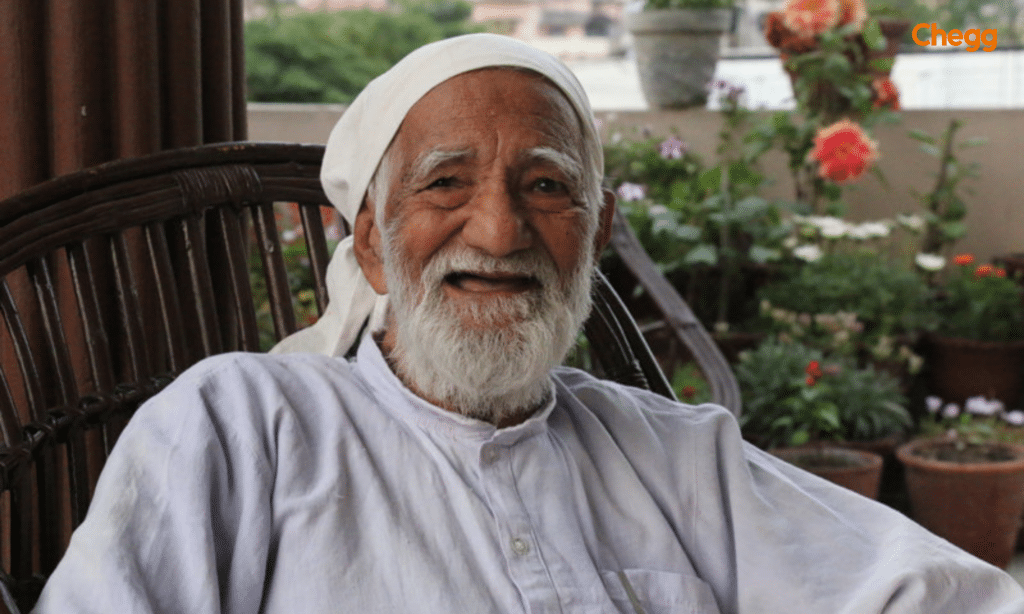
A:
[(358, 143)]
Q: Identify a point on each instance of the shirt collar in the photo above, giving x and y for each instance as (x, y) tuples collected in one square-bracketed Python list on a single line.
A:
[(406, 406)]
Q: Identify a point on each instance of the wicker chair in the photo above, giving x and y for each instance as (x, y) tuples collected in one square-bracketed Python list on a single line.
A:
[(136, 269)]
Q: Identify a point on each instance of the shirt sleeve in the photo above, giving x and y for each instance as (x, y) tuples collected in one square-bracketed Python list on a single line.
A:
[(769, 537), (180, 519)]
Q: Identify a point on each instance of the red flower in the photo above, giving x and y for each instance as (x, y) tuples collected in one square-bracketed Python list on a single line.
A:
[(843, 151), (813, 369), (963, 259), (689, 392), (811, 381), (886, 94), (852, 11), (810, 17), (1000, 272), (984, 270)]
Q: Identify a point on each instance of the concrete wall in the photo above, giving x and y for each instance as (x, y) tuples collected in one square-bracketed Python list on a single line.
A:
[(995, 216)]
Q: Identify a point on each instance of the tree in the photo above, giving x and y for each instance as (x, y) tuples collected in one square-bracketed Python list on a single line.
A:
[(331, 56)]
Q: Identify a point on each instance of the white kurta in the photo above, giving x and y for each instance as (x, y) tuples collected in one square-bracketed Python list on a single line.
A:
[(308, 484)]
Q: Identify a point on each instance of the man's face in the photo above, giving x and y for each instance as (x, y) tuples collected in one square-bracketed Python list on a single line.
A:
[(488, 242)]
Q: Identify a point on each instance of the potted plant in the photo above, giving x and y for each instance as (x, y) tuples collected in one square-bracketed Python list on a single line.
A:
[(803, 408), (978, 347), (965, 475), (837, 56), (677, 44)]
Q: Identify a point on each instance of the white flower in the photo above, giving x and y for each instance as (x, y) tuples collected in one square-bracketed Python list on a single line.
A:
[(831, 227), (790, 242), (868, 230), (1014, 417), (912, 221), (656, 210), (933, 403), (981, 406), (807, 253), (951, 410), (289, 235), (930, 262)]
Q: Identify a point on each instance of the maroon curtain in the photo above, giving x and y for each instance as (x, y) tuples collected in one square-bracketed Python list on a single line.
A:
[(85, 81)]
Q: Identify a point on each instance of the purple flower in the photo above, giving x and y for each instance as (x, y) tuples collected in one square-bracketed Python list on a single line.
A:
[(629, 192), (933, 403), (672, 148), (951, 410)]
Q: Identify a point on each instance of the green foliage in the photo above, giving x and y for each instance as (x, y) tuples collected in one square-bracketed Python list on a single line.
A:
[(944, 207), (329, 57), (690, 385), (792, 397), (889, 300), (978, 304)]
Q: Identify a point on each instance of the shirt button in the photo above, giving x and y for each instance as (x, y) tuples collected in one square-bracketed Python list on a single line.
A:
[(520, 546)]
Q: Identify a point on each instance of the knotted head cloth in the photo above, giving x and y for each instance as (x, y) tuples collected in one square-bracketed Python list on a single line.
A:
[(359, 141)]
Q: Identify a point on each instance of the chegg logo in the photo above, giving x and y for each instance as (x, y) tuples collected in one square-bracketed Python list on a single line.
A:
[(974, 37)]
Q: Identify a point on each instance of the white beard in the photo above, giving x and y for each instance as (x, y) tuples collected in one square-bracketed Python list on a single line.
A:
[(493, 360)]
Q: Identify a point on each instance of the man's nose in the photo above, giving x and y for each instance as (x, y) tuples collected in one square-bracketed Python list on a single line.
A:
[(497, 223)]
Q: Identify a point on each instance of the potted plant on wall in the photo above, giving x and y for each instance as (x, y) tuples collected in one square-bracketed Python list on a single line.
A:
[(803, 408), (677, 45), (965, 475), (978, 347)]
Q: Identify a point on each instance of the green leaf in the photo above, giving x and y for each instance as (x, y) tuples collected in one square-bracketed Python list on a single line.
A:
[(882, 64), (931, 150), (976, 141), (687, 232), (762, 255), (704, 253), (924, 137), (872, 34), (799, 438)]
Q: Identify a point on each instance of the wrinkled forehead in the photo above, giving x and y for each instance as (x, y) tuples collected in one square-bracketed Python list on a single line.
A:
[(497, 96)]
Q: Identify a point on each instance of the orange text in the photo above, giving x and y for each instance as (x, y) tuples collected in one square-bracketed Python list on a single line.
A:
[(974, 38)]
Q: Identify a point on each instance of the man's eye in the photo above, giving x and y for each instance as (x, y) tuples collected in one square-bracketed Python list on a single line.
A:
[(443, 182), (549, 186)]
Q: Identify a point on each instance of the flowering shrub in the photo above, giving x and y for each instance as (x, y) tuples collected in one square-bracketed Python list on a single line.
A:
[(793, 395), (979, 421), (849, 303), (981, 303)]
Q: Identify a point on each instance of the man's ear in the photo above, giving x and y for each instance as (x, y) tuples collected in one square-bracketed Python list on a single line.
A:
[(367, 246), (604, 228)]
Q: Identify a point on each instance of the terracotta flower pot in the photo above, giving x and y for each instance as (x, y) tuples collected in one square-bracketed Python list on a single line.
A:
[(962, 368), (975, 505), (858, 470)]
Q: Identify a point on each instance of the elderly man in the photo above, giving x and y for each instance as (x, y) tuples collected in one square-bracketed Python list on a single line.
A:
[(452, 466)]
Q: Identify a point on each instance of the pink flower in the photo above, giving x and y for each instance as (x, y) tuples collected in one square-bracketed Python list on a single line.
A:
[(843, 151), (672, 148), (629, 192), (810, 17)]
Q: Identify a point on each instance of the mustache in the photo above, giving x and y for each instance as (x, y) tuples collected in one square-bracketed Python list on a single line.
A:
[(534, 265)]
